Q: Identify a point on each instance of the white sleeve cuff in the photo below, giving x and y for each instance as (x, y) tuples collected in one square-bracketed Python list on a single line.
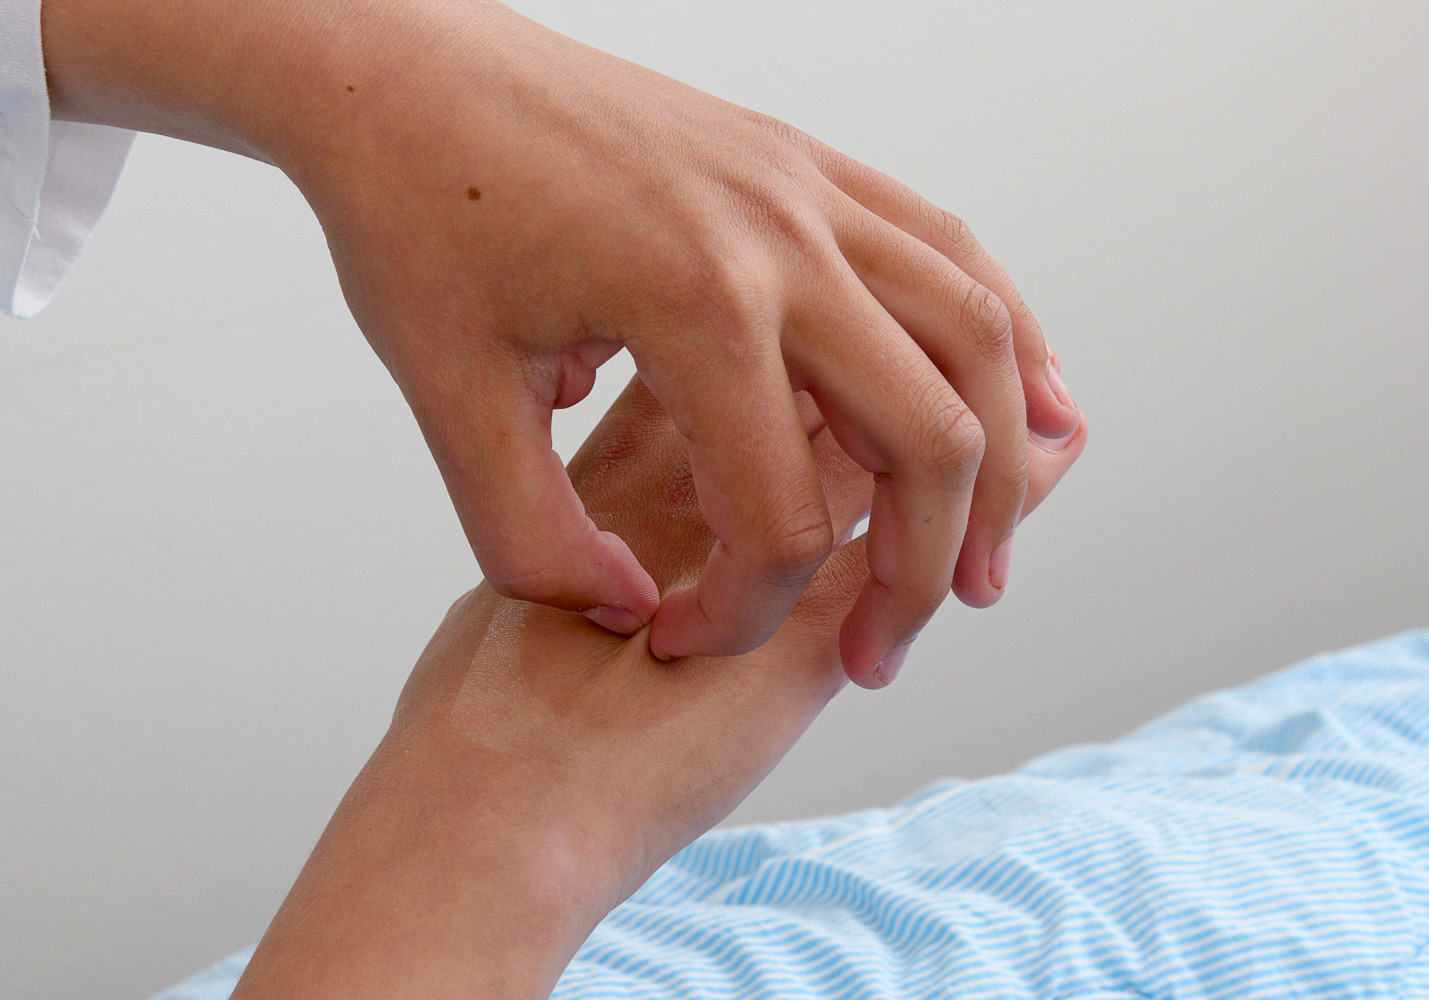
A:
[(55, 177)]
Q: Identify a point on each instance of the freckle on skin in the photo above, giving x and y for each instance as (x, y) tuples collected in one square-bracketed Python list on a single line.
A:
[(350, 88), (473, 193)]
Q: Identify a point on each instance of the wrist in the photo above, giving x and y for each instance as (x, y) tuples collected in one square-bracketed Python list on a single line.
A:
[(494, 707), (443, 872)]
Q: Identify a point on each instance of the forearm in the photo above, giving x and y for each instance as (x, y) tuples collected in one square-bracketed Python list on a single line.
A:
[(447, 871), (269, 79)]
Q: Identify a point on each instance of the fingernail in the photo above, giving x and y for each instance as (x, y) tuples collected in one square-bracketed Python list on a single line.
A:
[(1000, 564), (615, 618), (1053, 445), (1059, 388), (888, 668)]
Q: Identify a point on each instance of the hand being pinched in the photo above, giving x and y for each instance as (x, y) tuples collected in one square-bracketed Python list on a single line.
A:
[(539, 769)]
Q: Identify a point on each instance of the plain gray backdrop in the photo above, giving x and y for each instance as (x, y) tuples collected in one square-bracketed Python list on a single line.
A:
[(223, 543)]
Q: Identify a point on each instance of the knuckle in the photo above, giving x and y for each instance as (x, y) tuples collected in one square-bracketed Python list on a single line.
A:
[(1011, 482), (950, 232), (1020, 311), (781, 132), (799, 544), (716, 291), (783, 218), (777, 192), (990, 321), (950, 435)]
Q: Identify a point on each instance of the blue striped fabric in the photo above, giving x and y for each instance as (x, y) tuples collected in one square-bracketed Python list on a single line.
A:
[(1267, 841)]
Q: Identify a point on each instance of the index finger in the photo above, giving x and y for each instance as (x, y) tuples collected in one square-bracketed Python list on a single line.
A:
[(758, 489)]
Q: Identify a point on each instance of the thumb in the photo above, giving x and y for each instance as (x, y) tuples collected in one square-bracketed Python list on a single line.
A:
[(526, 525)]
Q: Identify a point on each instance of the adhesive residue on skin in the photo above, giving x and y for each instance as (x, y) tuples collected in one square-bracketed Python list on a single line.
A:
[(503, 630)]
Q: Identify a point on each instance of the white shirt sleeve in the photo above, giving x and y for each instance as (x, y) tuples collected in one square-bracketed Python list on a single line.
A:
[(55, 177)]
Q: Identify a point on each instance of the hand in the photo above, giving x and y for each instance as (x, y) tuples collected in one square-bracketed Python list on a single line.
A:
[(507, 208), (539, 769)]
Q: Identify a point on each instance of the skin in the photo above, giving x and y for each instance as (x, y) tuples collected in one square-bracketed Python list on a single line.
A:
[(538, 769), (507, 208)]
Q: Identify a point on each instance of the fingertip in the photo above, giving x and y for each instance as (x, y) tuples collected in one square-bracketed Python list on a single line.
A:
[(878, 675), (886, 672), (980, 580), (683, 627), (1051, 411), (631, 588), (670, 628), (972, 586), (1067, 446), (614, 618), (1048, 467), (1058, 387), (860, 650), (864, 676), (1049, 420), (999, 566)]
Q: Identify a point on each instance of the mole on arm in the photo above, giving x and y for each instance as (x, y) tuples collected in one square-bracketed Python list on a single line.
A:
[(473, 193), (350, 88)]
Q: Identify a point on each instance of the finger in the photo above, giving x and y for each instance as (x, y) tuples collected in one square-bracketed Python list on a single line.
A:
[(967, 333), (525, 523), (814, 626), (1050, 410), (848, 486), (896, 416), (657, 512), (757, 485), (1048, 461)]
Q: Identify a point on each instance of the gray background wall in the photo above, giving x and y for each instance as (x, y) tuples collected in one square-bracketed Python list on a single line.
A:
[(223, 545)]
